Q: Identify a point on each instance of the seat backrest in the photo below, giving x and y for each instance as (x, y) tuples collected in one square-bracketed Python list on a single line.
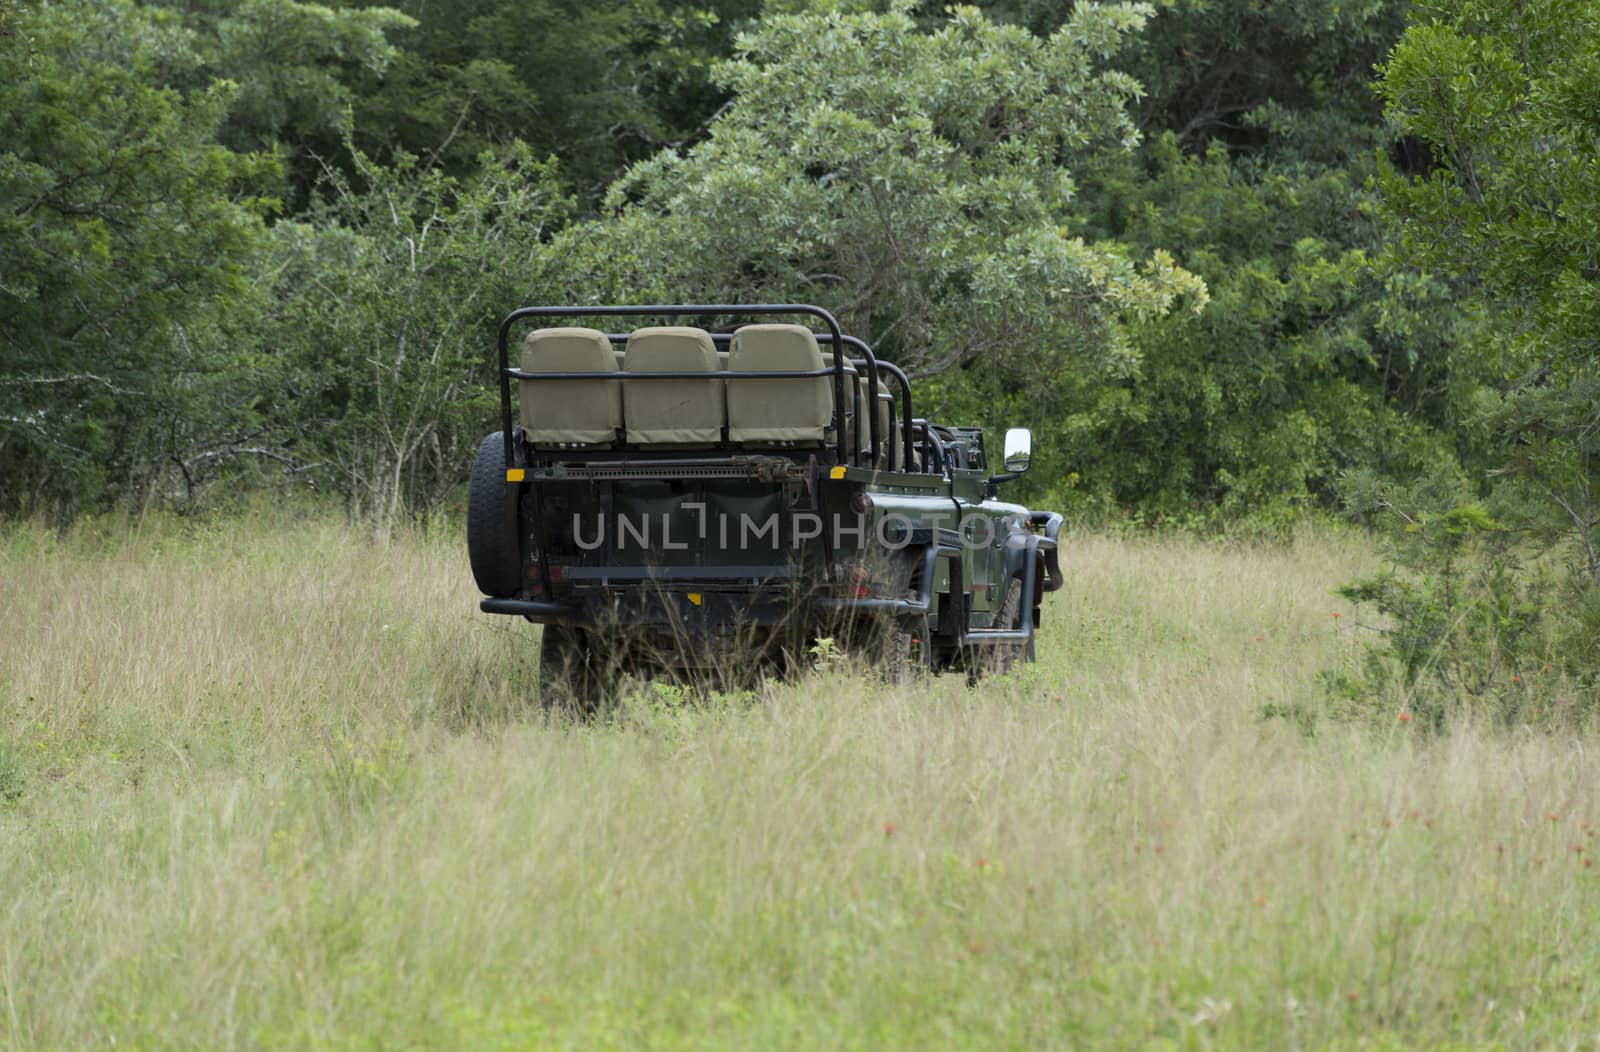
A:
[(856, 406), (791, 411), (882, 407), (688, 411), (570, 412)]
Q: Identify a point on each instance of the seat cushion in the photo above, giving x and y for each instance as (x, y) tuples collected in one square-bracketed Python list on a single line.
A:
[(689, 411), (794, 410), (570, 412)]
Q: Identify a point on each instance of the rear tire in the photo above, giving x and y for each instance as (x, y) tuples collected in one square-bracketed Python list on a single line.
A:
[(572, 678), (492, 543)]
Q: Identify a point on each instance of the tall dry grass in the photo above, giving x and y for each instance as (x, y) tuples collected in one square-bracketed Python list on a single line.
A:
[(266, 783)]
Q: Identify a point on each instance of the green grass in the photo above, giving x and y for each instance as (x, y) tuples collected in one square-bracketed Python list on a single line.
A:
[(272, 785)]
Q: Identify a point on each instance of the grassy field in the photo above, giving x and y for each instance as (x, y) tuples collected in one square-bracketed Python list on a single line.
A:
[(269, 785)]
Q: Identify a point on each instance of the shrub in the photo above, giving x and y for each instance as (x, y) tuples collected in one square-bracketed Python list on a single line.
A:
[(1478, 616)]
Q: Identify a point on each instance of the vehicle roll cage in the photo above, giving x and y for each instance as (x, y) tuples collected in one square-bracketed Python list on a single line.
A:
[(834, 338)]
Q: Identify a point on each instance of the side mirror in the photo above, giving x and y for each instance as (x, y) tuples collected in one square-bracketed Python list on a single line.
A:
[(1019, 450)]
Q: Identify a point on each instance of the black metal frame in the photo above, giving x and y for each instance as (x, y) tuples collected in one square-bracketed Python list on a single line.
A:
[(905, 387), (834, 337)]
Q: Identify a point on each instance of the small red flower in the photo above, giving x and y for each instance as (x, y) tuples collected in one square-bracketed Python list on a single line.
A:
[(981, 862), (1337, 615), (888, 829), (1405, 717)]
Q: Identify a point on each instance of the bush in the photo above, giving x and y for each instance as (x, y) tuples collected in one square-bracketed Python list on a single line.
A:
[(1478, 618)]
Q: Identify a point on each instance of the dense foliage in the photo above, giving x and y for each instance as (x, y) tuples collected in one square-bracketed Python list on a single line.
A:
[(918, 182), (1495, 595), (1029, 203)]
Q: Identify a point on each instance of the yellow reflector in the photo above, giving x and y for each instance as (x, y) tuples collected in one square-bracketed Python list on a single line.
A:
[(694, 597), (836, 473), (515, 474)]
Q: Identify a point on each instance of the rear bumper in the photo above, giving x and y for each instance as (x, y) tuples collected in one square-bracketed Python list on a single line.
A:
[(534, 609), (680, 610)]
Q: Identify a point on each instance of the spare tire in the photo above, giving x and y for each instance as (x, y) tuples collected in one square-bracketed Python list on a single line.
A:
[(492, 522)]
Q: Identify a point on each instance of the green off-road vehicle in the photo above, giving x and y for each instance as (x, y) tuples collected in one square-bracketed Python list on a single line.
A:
[(677, 500)]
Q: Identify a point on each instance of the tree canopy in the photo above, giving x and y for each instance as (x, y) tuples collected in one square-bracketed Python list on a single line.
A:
[(1160, 235), (1502, 98), (919, 182), (124, 227)]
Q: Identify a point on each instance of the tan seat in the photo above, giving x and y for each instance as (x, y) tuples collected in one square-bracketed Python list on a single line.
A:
[(852, 384), (880, 407), (689, 411), (858, 432), (790, 411), (570, 412), (856, 436)]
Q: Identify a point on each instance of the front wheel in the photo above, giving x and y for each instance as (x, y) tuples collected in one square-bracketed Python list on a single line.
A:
[(903, 648), (999, 658)]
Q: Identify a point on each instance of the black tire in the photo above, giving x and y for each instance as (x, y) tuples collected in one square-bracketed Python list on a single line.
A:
[(572, 678), (1011, 615), (908, 649), (998, 658), (492, 544)]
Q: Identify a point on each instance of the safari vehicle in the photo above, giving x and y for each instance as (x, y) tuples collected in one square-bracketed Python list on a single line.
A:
[(688, 500)]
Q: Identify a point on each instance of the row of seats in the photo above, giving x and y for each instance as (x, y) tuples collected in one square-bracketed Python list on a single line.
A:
[(684, 412)]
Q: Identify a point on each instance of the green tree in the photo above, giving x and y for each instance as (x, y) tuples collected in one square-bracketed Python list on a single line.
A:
[(294, 67), (597, 85), (1318, 354), (124, 228), (1501, 95), (386, 304), (1494, 597), (916, 181)]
